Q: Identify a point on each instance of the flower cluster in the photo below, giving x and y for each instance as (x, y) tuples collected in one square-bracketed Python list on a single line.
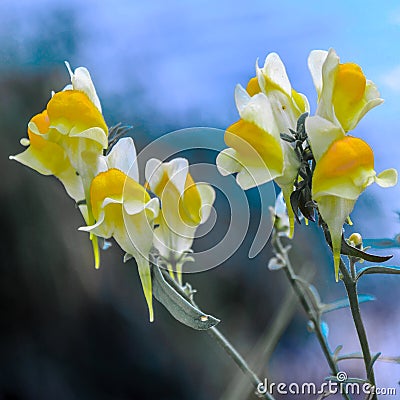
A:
[(265, 144), (70, 141)]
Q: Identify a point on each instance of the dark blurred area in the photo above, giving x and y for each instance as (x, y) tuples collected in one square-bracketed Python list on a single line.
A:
[(69, 331)]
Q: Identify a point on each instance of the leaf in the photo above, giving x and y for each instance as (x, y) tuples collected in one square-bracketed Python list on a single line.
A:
[(348, 250), (378, 269), (310, 290), (294, 203), (287, 138), (343, 303), (301, 124), (178, 306), (359, 356), (373, 360), (306, 205)]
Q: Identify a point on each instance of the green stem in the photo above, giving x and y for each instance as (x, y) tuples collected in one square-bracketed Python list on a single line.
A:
[(351, 289), (308, 306), (223, 342)]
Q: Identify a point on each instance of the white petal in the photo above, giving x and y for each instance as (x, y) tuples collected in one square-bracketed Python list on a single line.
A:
[(321, 134), (135, 206), (227, 162), (325, 106), (96, 134), (30, 160), (207, 195), (316, 60), (242, 98), (259, 111), (275, 70), (153, 172), (82, 81), (387, 178), (99, 228), (123, 157), (177, 170), (251, 177), (72, 183)]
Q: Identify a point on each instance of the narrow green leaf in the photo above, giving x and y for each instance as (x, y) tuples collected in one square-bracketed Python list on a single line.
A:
[(378, 269), (374, 358), (343, 303), (178, 306), (287, 138)]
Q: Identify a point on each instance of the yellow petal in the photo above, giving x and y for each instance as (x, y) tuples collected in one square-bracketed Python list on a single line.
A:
[(301, 101), (252, 142), (145, 279), (253, 87), (114, 184), (348, 93), (345, 169), (190, 203), (73, 110)]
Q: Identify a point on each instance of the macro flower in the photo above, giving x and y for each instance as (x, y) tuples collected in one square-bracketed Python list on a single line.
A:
[(124, 210), (185, 205), (256, 152), (66, 139), (344, 93), (344, 169)]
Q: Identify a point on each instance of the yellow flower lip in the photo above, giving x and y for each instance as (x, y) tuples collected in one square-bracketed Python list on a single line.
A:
[(253, 86), (344, 170), (350, 83), (345, 157), (73, 107), (114, 183), (252, 142), (188, 202)]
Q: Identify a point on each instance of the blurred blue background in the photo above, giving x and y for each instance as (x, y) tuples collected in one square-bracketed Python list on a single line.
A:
[(71, 332)]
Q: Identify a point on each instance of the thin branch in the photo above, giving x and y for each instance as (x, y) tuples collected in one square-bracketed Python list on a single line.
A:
[(223, 342), (351, 289), (308, 306)]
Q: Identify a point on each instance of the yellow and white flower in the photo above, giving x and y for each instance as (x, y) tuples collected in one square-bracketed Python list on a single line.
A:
[(344, 169), (269, 107), (344, 93), (124, 210), (66, 139), (184, 206)]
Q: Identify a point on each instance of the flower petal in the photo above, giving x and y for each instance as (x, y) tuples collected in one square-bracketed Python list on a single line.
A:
[(316, 60), (345, 170), (207, 195), (387, 178), (81, 80), (334, 211), (274, 72), (123, 157)]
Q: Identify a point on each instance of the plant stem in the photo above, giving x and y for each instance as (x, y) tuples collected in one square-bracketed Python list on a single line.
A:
[(305, 302), (223, 342), (351, 289), (308, 306)]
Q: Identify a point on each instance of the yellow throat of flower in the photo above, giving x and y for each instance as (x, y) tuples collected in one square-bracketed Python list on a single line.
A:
[(115, 184), (349, 91), (189, 202)]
